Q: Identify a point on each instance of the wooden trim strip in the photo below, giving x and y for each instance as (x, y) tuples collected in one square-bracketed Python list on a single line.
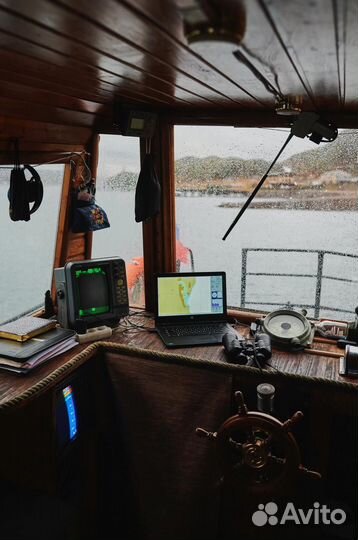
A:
[(168, 187), (247, 118), (159, 233), (63, 224), (94, 154)]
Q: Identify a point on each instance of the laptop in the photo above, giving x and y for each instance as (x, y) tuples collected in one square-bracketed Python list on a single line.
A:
[(191, 308)]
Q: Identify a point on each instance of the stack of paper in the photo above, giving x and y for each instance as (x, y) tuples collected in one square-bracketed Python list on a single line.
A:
[(37, 359), (23, 357)]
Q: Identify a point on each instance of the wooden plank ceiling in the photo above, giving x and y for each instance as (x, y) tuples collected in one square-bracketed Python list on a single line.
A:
[(65, 62)]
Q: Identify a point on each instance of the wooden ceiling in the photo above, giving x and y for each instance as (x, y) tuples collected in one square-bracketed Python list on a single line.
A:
[(65, 62)]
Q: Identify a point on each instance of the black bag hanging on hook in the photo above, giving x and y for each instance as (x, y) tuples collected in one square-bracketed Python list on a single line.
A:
[(148, 190)]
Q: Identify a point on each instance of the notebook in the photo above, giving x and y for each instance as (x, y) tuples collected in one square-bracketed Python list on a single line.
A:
[(22, 352), (191, 308), (25, 328)]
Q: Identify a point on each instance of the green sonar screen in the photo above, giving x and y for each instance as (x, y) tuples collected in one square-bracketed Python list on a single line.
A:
[(93, 291)]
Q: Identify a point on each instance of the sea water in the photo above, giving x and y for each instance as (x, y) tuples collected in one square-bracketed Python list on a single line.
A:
[(27, 249)]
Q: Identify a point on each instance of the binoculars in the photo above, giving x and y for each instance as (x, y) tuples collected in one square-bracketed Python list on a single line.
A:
[(250, 352)]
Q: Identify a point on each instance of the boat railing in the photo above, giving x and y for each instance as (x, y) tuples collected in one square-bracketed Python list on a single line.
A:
[(319, 276)]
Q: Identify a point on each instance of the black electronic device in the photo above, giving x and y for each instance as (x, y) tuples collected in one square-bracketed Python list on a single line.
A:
[(91, 292), (348, 365), (191, 308), (135, 123), (250, 352), (310, 124)]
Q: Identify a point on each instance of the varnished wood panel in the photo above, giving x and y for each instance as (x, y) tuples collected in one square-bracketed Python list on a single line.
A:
[(15, 108), (160, 45), (66, 79), (159, 232), (66, 62), (114, 71), (39, 132), (35, 82), (63, 223), (308, 40), (76, 246), (285, 362), (47, 148), (34, 158), (116, 34), (37, 152), (49, 98), (218, 56)]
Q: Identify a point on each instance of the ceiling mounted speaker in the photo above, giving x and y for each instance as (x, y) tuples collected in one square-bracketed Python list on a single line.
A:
[(213, 20)]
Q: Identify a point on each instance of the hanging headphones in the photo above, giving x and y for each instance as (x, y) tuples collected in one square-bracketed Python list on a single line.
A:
[(35, 188), (23, 192)]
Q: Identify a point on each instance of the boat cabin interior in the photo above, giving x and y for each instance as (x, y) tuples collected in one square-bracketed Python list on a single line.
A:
[(172, 167)]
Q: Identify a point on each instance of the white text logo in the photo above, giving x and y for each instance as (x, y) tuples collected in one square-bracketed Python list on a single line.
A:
[(266, 514)]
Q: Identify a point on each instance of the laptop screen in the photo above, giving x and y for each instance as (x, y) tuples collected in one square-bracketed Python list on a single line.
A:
[(193, 295)]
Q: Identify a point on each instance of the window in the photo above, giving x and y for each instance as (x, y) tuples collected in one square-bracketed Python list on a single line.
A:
[(27, 247), (297, 243), (118, 170)]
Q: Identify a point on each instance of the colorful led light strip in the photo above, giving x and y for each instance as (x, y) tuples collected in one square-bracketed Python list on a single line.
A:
[(71, 410)]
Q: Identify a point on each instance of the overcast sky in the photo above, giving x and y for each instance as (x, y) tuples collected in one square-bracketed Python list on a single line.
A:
[(122, 153)]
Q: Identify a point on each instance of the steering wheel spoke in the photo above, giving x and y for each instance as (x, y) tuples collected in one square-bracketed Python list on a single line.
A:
[(257, 451)]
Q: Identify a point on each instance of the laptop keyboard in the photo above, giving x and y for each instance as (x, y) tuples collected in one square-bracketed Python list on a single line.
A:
[(194, 330)]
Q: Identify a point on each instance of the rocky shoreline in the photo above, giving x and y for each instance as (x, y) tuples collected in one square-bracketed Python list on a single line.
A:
[(300, 204)]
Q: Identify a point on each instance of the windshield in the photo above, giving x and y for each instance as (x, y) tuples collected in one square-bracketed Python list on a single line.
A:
[(297, 244), (27, 247)]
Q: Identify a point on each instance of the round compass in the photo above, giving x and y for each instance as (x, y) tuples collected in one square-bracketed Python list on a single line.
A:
[(286, 326)]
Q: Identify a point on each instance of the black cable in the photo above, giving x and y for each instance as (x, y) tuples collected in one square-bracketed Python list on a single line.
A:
[(256, 360), (263, 62), (238, 323), (253, 194), (126, 324), (269, 87)]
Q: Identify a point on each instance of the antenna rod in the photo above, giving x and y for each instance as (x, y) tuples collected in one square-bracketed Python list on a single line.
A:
[(251, 197)]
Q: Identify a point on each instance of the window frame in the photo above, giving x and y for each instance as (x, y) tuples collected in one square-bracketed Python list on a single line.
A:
[(166, 233), (159, 234)]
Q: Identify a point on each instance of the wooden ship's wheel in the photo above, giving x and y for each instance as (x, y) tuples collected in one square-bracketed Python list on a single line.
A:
[(258, 452)]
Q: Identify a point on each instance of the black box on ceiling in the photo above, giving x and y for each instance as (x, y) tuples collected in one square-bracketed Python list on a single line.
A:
[(134, 123)]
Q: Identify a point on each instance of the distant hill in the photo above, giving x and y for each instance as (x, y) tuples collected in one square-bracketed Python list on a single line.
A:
[(123, 181), (213, 168), (340, 154)]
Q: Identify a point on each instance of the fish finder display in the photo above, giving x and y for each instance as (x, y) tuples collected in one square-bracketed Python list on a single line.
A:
[(93, 291)]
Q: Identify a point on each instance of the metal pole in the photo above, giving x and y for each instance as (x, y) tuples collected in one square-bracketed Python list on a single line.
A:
[(319, 284), (243, 276)]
